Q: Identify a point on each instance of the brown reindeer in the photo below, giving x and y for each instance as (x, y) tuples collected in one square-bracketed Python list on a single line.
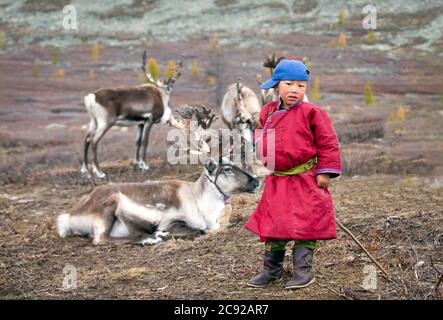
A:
[(142, 106)]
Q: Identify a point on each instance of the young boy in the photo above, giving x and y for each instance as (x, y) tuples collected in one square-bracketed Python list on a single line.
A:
[(295, 204)]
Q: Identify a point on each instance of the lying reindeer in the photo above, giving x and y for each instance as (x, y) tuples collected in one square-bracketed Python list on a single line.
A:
[(143, 106), (150, 212)]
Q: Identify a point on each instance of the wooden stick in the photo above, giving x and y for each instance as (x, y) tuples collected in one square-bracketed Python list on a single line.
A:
[(361, 246)]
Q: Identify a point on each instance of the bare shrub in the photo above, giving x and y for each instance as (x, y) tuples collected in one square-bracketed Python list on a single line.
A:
[(7, 141), (361, 129)]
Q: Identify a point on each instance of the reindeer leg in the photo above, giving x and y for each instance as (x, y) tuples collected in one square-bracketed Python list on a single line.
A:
[(138, 143), (104, 223), (136, 236), (181, 230), (141, 231), (145, 141), (84, 169), (246, 139), (98, 134)]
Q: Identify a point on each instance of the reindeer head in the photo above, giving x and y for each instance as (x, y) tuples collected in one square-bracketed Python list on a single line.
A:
[(168, 83), (229, 178), (196, 121)]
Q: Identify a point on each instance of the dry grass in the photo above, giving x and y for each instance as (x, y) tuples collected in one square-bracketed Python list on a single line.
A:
[(396, 226)]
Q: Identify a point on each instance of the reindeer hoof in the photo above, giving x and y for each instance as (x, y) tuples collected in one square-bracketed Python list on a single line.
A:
[(85, 173), (142, 166), (100, 175), (162, 235), (149, 241)]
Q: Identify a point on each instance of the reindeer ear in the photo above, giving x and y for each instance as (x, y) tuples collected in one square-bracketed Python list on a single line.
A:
[(210, 165)]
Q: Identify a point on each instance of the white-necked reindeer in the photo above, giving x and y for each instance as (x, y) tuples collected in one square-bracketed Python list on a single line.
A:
[(142, 105), (268, 95), (240, 110), (150, 212)]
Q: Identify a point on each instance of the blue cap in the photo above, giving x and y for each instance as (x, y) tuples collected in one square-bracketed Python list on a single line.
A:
[(287, 70)]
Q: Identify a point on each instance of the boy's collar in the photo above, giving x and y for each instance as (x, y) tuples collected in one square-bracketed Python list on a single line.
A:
[(280, 104)]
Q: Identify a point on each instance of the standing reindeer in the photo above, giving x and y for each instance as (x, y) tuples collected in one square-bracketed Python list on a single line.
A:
[(142, 105), (269, 95), (240, 110)]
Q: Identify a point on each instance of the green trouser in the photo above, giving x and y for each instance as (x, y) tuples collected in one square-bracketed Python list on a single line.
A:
[(280, 244)]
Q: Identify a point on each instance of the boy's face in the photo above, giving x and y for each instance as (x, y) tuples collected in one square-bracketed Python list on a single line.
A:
[(291, 91)]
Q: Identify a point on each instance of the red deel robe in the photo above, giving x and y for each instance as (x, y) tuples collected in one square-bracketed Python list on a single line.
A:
[(294, 207)]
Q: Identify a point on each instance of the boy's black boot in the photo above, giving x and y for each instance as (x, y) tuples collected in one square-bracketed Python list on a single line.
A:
[(302, 275), (273, 269)]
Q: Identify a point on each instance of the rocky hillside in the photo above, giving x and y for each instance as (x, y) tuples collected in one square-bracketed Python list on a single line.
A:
[(235, 22)]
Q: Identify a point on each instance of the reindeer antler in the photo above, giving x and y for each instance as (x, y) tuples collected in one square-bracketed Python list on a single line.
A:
[(148, 76), (169, 82), (204, 117), (271, 62)]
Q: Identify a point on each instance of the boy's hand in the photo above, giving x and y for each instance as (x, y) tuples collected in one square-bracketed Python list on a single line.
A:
[(323, 180)]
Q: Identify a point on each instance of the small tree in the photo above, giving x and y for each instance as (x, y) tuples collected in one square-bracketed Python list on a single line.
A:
[(371, 37), (342, 40), (60, 73), (409, 181), (36, 67), (401, 114), (195, 69), (54, 56), (315, 92), (341, 17), (215, 69), (213, 45), (153, 68), (95, 52), (2, 39), (307, 62), (91, 75), (171, 69), (211, 81), (369, 97)]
